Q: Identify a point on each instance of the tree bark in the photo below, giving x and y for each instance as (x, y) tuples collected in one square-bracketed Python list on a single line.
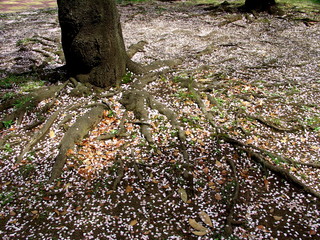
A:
[(259, 5), (92, 41)]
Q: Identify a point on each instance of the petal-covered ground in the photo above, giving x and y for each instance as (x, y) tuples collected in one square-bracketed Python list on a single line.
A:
[(255, 77), (23, 5)]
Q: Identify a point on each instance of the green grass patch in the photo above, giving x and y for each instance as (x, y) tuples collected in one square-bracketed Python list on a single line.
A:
[(26, 41), (8, 124), (26, 82), (128, 78), (22, 102), (31, 85), (6, 197)]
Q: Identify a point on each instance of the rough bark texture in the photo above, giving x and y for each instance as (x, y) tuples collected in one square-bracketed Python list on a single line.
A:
[(92, 41), (75, 133), (259, 5)]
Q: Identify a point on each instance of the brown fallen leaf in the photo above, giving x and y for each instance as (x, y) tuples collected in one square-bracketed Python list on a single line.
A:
[(312, 232), (193, 223), (183, 194), (277, 218), (34, 212), (133, 222), (205, 218), (129, 189), (266, 184), (261, 227), (109, 192), (78, 208), (217, 196), (57, 212), (219, 164), (52, 134)]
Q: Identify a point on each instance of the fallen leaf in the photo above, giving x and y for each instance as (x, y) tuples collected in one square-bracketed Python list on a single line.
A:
[(293, 169), (260, 227), (183, 194), (277, 218), (205, 218), (266, 184), (224, 173), (217, 196), (188, 132), (155, 180), (220, 181), (109, 192), (199, 233), (69, 152), (219, 164), (211, 184), (206, 170), (64, 212), (46, 198), (249, 141), (78, 208), (12, 213), (34, 212), (129, 189), (133, 222), (193, 223), (312, 232), (52, 134)]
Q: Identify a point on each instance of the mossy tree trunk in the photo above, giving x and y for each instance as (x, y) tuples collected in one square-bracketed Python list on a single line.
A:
[(92, 41), (259, 5)]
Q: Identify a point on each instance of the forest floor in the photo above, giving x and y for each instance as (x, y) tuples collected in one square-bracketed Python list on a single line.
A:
[(254, 76)]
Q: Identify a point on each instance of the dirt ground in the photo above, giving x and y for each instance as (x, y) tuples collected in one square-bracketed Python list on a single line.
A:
[(255, 76)]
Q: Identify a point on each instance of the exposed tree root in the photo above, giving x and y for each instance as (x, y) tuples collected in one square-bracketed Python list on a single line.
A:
[(120, 174), (273, 126), (135, 67), (233, 201), (135, 166), (138, 101), (135, 100), (134, 48), (36, 96), (275, 169), (284, 159), (38, 135), (74, 134), (24, 103), (253, 155), (163, 63)]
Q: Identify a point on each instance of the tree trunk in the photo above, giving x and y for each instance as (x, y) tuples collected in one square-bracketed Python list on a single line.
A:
[(259, 5), (92, 41)]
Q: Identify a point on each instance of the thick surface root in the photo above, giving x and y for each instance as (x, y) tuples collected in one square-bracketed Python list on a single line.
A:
[(74, 134)]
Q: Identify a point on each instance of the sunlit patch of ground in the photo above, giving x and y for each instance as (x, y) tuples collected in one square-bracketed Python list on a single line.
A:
[(23, 5)]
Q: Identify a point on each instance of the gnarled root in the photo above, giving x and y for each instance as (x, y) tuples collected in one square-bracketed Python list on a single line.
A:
[(74, 134)]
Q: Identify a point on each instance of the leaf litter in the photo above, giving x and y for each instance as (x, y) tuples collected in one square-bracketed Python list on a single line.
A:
[(261, 77)]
